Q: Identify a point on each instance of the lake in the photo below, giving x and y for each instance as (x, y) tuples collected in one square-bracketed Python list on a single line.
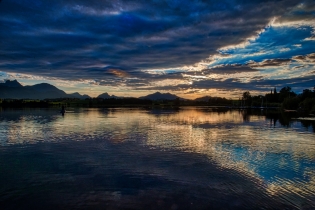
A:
[(190, 158)]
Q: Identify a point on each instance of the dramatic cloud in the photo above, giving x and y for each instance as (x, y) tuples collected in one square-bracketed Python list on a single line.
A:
[(230, 69), (158, 43), (310, 58), (269, 63)]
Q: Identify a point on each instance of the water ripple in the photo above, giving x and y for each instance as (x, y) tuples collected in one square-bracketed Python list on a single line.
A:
[(127, 155)]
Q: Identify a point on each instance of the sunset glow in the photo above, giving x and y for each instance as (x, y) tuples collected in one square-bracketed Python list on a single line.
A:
[(133, 48)]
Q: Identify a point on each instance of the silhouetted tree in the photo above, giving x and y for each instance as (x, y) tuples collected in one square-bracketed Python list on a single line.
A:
[(291, 103), (256, 100), (306, 94), (176, 102), (247, 98), (286, 92)]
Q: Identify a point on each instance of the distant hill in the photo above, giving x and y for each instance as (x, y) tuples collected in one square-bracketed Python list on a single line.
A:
[(205, 98), (213, 100), (160, 96), (45, 90), (106, 95), (14, 90), (78, 95), (44, 87)]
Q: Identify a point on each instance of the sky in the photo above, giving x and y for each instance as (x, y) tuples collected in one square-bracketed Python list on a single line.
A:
[(191, 48)]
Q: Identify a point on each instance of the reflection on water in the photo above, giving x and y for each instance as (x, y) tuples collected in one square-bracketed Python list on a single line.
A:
[(143, 158)]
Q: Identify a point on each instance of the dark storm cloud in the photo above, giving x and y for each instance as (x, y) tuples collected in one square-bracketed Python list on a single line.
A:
[(269, 63), (140, 79), (229, 69), (79, 39), (309, 58), (299, 57), (304, 12), (297, 84)]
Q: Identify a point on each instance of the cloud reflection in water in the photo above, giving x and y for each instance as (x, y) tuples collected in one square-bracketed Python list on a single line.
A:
[(279, 158)]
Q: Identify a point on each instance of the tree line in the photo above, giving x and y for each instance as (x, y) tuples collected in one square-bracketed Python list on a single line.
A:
[(286, 98)]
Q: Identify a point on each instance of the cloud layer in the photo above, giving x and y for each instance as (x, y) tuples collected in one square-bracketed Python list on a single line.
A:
[(147, 44)]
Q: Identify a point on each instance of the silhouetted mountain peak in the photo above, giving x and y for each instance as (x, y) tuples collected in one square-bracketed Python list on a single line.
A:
[(160, 96), (43, 87), (204, 98), (13, 83), (75, 94), (78, 95), (86, 96), (106, 95)]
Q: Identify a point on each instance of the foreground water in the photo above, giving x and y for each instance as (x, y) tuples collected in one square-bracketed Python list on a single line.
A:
[(191, 158)]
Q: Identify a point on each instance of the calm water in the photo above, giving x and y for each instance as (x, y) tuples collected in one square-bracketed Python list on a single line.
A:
[(192, 158)]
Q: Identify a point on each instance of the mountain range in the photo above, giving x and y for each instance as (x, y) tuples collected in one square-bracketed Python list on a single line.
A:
[(160, 96), (14, 90), (106, 95)]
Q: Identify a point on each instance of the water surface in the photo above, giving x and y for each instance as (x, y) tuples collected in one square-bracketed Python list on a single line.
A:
[(191, 158)]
